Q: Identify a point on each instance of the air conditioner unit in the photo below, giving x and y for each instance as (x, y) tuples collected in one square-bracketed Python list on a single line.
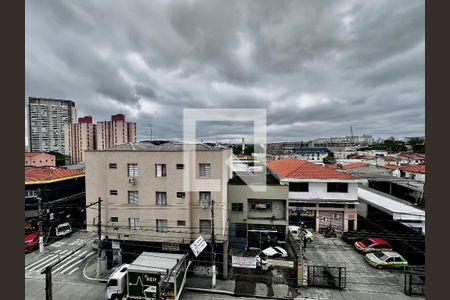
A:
[(132, 180)]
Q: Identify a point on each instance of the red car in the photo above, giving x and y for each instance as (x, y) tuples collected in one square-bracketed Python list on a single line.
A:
[(31, 241), (373, 244)]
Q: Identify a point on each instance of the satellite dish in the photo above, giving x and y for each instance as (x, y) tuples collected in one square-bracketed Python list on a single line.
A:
[(204, 203)]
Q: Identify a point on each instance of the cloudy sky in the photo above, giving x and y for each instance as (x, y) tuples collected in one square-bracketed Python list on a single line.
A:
[(318, 67)]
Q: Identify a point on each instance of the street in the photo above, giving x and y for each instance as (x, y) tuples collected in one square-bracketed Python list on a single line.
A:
[(67, 277)]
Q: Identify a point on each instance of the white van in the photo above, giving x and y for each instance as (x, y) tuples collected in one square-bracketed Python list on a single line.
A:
[(63, 229), (115, 288)]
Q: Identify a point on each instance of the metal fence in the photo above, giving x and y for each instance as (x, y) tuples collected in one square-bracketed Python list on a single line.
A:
[(415, 281), (329, 277)]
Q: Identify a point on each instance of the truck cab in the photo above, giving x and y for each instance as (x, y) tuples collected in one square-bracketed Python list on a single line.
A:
[(116, 286)]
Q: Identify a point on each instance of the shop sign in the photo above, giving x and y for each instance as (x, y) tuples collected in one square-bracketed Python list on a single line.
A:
[(243, 262)]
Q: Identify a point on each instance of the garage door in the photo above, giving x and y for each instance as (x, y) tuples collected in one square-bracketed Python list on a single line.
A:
[(333, 218)]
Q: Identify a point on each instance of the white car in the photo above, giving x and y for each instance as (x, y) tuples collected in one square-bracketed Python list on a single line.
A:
[(271, 252), (295, 230), (63, 229)]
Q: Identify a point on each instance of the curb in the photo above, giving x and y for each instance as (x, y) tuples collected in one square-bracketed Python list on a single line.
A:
[(90, 278), (222, 292)]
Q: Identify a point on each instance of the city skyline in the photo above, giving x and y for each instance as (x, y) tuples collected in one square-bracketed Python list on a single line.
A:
[(318, 68)]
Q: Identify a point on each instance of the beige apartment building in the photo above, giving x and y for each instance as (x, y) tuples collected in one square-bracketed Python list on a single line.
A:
[(144, 200)]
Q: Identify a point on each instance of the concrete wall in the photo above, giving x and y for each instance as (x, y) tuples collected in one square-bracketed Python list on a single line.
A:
[(276, 194), (100, 180), (40, 160), (318, 190)]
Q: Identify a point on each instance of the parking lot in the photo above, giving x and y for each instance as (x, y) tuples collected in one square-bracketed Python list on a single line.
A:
[(362, 279)]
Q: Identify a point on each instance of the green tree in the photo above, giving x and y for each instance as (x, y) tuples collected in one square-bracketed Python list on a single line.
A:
[(329, 159)]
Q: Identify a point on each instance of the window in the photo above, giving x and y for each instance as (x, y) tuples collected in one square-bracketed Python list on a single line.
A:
[(181, 223), (204, 199), (132, 170), (161, 198), (180, 166), (133, 223), (113, 166), (351, 206), (337, 187), (332, 205), (205, 170), (31, 193), (113, 192), (237, 207), (160, 170), (161, 225), (205, 226), (181, 195), (262, 206), (133, 197), (114, 219), (298, 187)]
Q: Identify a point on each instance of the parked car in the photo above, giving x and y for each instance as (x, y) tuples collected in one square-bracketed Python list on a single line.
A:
[(372, 244), (271, 252), (63, 229), (295, 230), (386, 259), (31, 240)]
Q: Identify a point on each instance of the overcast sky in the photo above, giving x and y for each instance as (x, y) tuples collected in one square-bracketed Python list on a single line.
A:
[(318, 67)]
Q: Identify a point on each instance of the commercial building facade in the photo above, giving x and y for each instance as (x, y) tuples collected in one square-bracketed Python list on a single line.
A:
[(318, 196), (257, 218), (141, 185), (46, 118)]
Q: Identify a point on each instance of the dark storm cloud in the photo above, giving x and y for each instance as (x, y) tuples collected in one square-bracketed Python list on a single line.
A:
[(318, 67)]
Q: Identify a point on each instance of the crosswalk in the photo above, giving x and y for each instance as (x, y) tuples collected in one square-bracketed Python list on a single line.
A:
[(68, 266)]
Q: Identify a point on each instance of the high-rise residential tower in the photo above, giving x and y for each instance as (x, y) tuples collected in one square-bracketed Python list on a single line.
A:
[(46, 118), (79, 137)]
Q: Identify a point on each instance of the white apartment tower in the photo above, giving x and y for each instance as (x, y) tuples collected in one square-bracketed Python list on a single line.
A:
[(46, 118)]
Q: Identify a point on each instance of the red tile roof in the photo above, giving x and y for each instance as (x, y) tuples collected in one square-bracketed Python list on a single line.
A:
[(302, 169), (31, 154), (390, 167), (413, 156), (414, 169), (354, 165), (332, 166), (49, 174), (389, 158)]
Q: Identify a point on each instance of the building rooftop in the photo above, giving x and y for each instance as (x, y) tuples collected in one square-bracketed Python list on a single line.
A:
[(160, 146), (354, 165), (302, 169), (237, 179), (32, 154), (412, 156), (310, 150), (38, 175), (408, 168)]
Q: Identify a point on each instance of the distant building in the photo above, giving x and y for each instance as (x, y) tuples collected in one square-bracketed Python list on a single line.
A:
[(39, 159), (79, 137), (46, 118), (115, 132), (310, 153), (85, 135), (318, 196)]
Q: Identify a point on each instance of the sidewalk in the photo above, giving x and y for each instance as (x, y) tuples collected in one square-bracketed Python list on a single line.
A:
[(90, 270), (260, 290)]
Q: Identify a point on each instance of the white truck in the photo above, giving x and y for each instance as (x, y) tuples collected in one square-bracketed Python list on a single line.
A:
[(117, 282), (150, 276)]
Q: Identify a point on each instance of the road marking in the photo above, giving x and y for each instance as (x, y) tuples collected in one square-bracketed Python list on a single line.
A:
[(76, 263), (77, 256), (71, 272), (53, 259), (58, 244), (38, 261)]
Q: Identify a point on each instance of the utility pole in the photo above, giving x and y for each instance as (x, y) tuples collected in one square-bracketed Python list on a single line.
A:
[(41, 235), (48, 283), (213, 246), (99, 229)]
